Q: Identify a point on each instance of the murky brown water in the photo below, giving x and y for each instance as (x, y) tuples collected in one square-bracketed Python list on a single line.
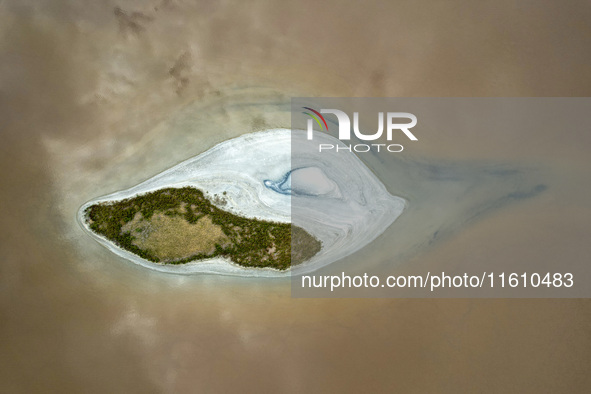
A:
[(86, 98)]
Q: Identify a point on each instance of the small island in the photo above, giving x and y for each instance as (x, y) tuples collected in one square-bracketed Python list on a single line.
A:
[(181, 225)]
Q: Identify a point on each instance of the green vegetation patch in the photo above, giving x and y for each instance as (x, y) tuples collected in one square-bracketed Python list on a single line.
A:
[(175, 226)]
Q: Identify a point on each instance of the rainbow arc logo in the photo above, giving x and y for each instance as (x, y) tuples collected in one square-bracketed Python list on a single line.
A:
[(315, 115)]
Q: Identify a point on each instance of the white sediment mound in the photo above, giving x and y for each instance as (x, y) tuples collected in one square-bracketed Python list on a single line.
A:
[(279, 175)]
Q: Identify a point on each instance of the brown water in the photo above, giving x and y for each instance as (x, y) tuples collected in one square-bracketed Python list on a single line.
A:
[(86, 101)]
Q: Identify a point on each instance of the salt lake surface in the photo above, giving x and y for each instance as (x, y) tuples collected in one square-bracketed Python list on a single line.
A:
[(97, 99)]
